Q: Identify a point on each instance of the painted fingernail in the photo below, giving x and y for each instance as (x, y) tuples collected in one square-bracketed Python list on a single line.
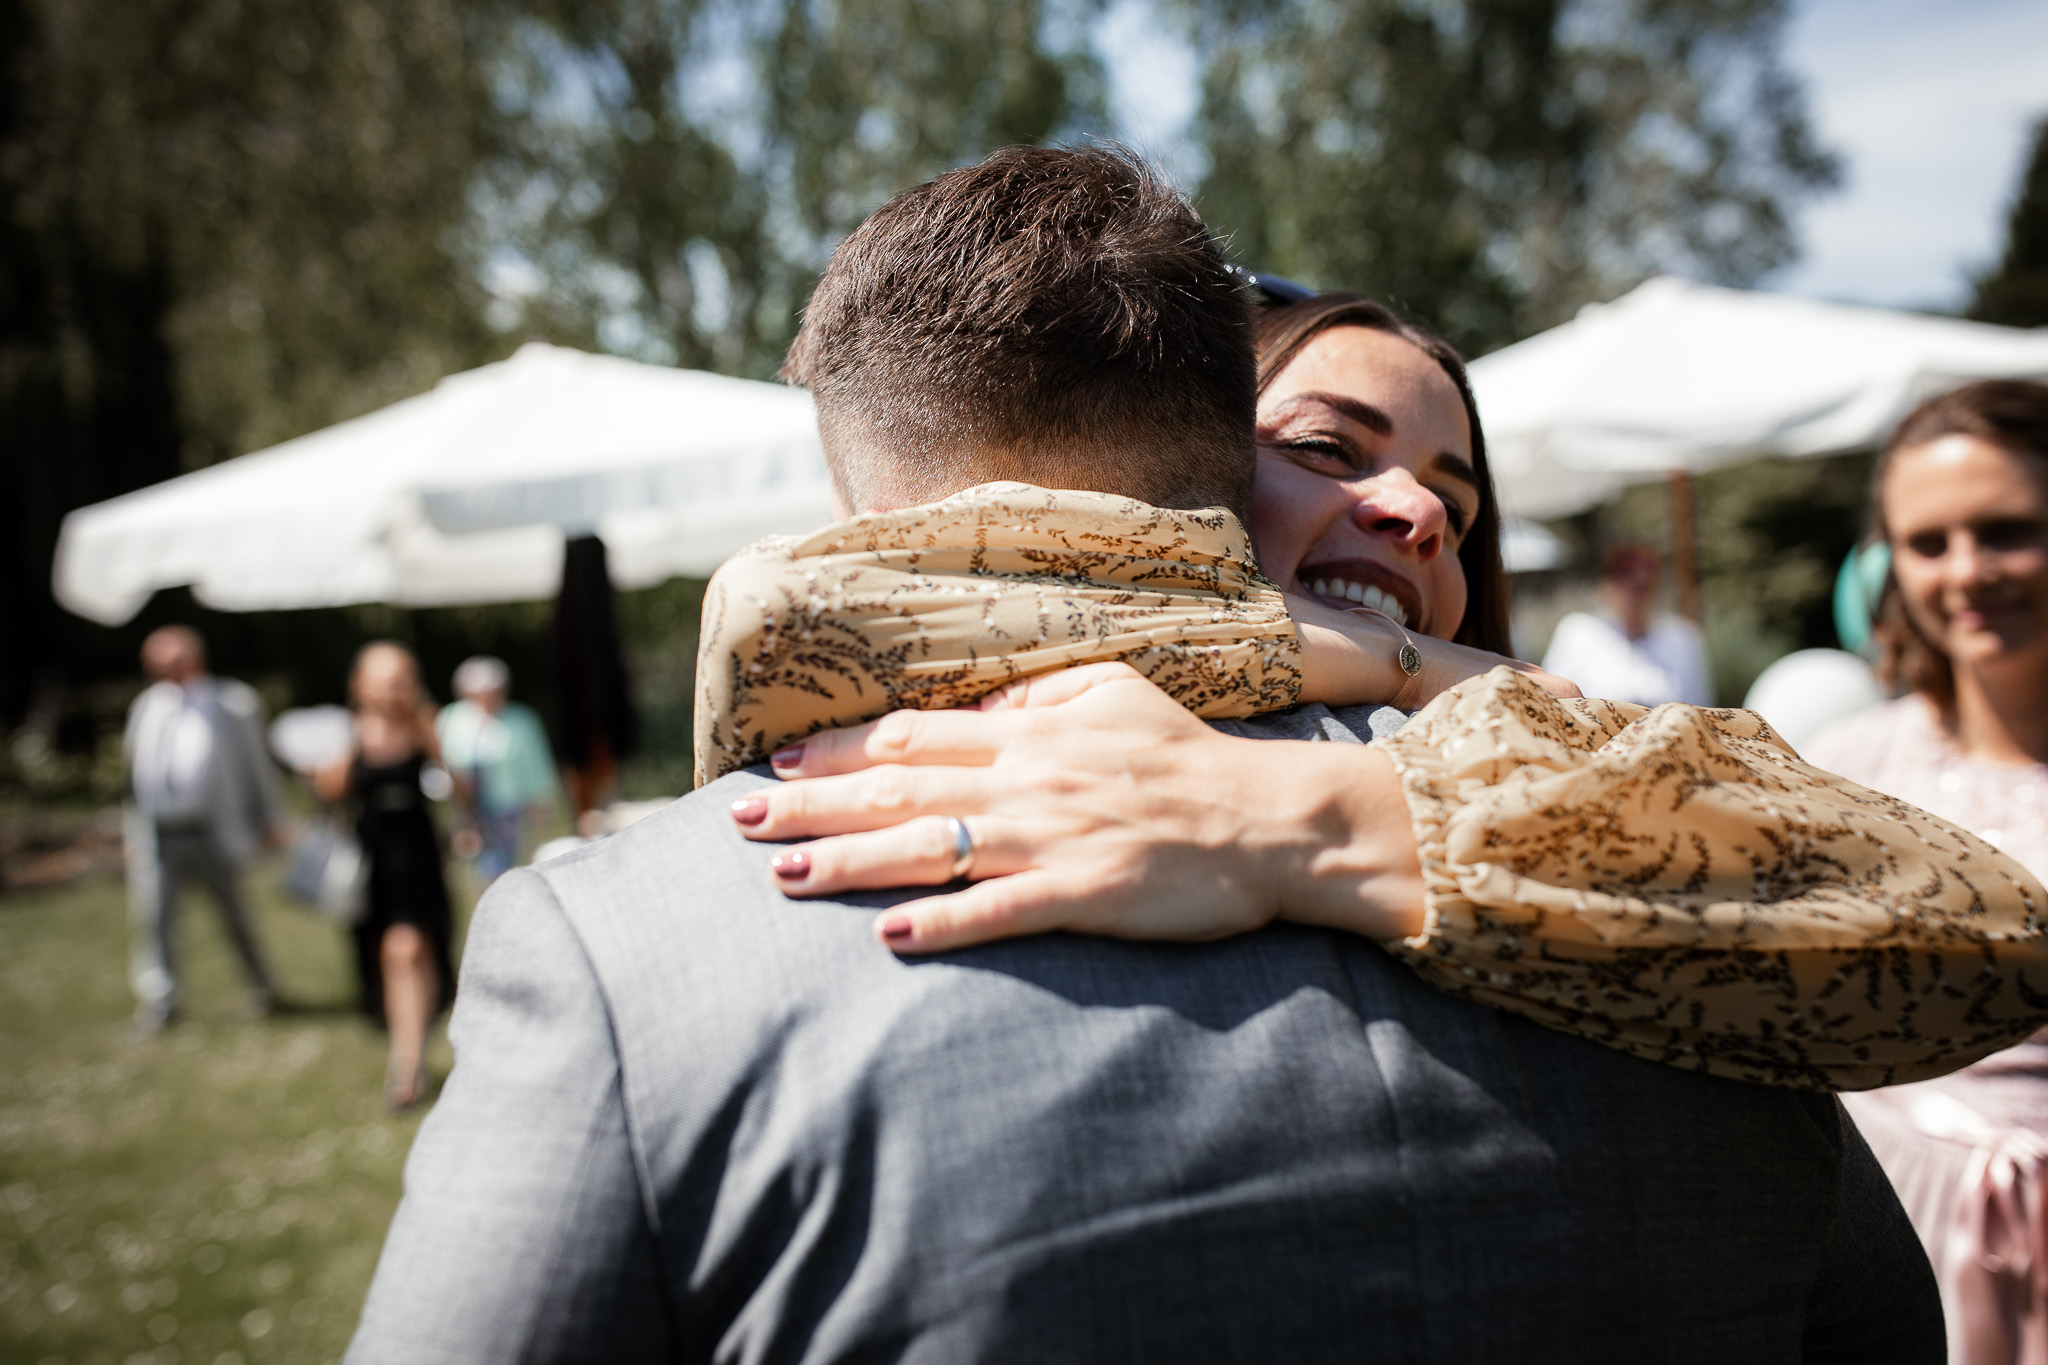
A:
[(791, 867), (895, 928), (787, 758), (750, 810)]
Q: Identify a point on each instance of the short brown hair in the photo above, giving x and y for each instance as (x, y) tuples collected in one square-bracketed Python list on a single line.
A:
[(2009, 413), (1284, 330), (1059, 316)]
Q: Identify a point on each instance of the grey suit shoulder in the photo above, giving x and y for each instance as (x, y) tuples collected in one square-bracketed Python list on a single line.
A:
[(691, 1120)]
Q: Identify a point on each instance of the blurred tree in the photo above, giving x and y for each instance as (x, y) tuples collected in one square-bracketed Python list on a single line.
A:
[(615, 218), (226, 222), (675, 172), (2016, 293), (869, 97), (1492, 165)]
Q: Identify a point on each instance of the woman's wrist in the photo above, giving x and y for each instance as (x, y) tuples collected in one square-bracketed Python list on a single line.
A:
[(1346, 660), (1347, 856), (1353, 659)]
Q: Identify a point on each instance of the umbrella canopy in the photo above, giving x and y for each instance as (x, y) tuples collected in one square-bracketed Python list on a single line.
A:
[(1681, 376), (465, 493)]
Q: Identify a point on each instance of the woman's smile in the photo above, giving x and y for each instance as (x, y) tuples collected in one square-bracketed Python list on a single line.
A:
[(1361, 583)]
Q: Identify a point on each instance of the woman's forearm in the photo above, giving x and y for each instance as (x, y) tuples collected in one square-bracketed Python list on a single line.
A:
[(1350, 658), (330, 783)]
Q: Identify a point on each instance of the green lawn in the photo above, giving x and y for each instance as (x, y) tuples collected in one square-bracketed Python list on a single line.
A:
[(214, 1196)]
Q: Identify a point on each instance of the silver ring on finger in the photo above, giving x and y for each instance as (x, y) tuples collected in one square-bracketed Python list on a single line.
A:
[(963, 847)]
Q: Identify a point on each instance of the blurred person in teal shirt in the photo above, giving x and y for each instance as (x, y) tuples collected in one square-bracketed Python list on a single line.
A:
[(498, 754)]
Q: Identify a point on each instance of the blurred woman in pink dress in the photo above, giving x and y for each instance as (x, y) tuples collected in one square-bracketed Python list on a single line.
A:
[(1962, 503)]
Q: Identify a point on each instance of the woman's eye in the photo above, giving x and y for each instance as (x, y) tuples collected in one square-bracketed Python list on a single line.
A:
[(1928, 544), (1322, 450), (2010, 533)]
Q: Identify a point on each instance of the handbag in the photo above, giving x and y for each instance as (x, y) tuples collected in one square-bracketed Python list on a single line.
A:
[(330, 874)]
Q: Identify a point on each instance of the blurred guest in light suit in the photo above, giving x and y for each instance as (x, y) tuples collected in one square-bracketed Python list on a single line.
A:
[(204, 801)]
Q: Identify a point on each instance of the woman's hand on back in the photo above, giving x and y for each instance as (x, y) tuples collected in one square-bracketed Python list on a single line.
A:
[(1097, 804)]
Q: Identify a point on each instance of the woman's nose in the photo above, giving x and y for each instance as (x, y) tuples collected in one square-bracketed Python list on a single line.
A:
[(1393, 504), (1968, 563)]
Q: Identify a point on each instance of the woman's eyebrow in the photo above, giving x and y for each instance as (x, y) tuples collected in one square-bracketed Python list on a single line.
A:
[(1365, 414)]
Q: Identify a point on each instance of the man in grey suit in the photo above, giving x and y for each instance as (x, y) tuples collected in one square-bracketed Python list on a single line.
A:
[(692, 1120), (204, 800)]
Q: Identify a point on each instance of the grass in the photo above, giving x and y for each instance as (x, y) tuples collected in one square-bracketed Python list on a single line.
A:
[(213, 1196)]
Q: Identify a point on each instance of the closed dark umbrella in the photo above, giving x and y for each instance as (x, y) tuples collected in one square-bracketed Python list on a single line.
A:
[(595, 725)]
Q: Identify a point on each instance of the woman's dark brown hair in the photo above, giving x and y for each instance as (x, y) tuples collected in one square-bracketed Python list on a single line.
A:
[(2011, 414), (1281, 332)]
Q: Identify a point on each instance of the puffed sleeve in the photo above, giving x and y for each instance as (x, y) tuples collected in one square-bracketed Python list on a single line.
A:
[(793, 643), (1676, 883)]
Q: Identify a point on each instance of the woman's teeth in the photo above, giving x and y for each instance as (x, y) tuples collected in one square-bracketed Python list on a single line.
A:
[(1362, 593)]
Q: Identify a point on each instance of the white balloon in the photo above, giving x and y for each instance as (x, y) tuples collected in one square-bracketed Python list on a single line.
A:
[(1809, 690)]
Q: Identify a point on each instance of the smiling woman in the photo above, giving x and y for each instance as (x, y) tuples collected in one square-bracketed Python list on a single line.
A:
[(1962, 501), (1590, 865), (1373, 512), (1372, 471)]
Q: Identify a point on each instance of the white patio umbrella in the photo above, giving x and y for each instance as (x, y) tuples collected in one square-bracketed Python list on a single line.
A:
[(1675, 376), (464, 494)]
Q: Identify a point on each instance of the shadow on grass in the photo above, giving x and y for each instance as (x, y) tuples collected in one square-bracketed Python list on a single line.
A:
[(293, 1007)]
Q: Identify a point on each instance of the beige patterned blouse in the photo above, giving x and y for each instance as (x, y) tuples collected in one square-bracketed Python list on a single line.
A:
[(932, 607), (1676, 883), (1673, 883)]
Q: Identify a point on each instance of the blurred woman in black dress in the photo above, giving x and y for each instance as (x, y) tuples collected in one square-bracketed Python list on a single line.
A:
[(402, 941)]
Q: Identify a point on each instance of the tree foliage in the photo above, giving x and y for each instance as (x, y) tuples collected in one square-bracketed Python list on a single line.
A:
[(2016, 292), (227, 222), (224, 223), (1492, 165), (295, 173), (676, 171)]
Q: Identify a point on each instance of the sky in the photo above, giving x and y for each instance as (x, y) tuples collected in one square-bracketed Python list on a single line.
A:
[(1929, 103)]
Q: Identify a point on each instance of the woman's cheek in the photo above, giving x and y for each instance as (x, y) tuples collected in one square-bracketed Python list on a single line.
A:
[(1448, 595), (2030, 567), (1922, 593), (1285, 519)]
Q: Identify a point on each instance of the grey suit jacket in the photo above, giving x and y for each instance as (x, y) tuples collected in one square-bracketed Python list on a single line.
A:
[(690, 1120)]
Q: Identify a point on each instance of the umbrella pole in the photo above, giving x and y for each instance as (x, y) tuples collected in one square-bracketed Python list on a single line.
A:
[(1685, 545)]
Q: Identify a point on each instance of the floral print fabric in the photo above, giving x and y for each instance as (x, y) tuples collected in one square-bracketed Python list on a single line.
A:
[(1674, 883), (1678, 884), (932, 607)]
